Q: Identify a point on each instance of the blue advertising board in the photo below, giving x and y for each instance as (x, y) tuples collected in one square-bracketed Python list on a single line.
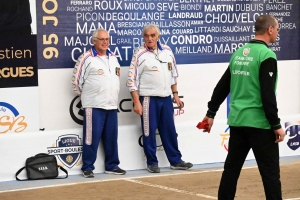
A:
[(198, 31)]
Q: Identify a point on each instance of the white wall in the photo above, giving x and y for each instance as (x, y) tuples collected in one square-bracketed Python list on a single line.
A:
[(196, 147), (196, 83)]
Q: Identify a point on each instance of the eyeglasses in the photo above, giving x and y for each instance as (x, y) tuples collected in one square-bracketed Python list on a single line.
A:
[(151, 35), (102, 39)]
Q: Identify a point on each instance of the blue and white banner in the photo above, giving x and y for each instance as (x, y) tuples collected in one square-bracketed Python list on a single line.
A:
[(199, 31)]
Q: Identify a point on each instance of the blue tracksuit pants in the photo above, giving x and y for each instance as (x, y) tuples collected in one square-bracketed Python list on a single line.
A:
[(100, 124), (158, 113)]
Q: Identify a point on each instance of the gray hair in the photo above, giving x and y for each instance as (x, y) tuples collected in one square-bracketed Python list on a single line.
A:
[(150, 26), (95, 33)]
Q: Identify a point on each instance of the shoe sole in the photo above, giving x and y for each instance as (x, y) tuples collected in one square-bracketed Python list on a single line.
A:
[(153, 171), (180, 168), (116, 173), (88, 176)]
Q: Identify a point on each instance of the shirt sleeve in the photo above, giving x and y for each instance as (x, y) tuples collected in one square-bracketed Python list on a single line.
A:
[(79, 74), (220, 93), (174, 69), (133, 73), (267, 78)]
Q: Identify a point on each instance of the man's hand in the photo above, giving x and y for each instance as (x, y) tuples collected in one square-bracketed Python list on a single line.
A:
[(137, 108), (210, 122), (280, 134), (177, 100)]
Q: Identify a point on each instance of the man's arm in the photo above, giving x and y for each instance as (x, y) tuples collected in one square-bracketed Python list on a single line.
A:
[(176, 97), (132, 83), (80, 73), (267, 78), (133, 73), (220, 93)]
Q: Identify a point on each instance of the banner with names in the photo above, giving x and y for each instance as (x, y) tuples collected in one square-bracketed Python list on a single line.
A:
[(198, 31)]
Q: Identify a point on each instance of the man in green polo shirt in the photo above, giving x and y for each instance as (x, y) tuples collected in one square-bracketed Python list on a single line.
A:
[(251, 80)]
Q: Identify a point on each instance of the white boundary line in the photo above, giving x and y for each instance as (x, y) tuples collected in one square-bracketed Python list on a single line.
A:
[(50, 186), (171, 189), (118, 179), (136, 181)]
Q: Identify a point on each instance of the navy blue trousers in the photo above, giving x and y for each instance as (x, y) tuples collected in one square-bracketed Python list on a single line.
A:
[(158, 113), (100, 124), (266, 152)]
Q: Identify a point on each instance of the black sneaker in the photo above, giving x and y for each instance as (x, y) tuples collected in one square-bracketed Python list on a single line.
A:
[(117, 171), (182, 165), (88, 174), (153, 168)]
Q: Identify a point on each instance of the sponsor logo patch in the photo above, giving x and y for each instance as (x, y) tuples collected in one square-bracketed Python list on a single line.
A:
[(246, 51), (100, 71), (154, 68)]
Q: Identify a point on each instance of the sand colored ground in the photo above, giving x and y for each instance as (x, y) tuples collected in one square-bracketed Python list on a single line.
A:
[(191, 185)]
